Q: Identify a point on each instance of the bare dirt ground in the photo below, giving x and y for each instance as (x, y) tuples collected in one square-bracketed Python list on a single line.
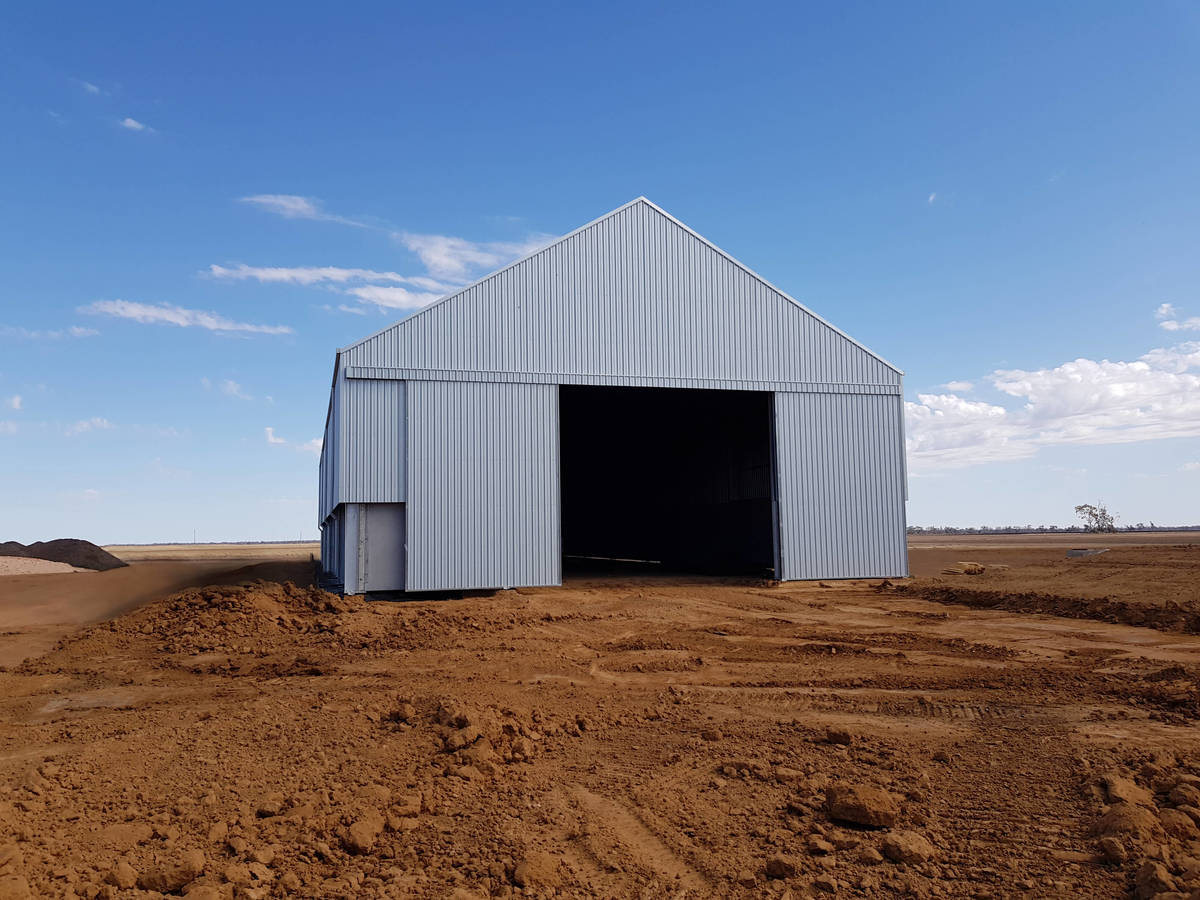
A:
[(621, 736)]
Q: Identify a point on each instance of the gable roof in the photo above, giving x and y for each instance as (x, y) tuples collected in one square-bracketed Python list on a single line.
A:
[(494, 285)]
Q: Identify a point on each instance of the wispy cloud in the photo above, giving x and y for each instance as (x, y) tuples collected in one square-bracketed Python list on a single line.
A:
[(89, 88), (35, 334), (392, 297), (95, 423), (1190, 467), (959, 387), (134, 125), (932, 198), (311, 275), (294, 206), (313, 446), (1168, 319), (7, 427), (455, 258), (1080, 402), (165, 314), (231, 388), (14, 402)]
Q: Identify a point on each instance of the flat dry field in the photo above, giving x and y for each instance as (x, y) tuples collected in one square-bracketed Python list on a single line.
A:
[(615, 737), (285, 550)]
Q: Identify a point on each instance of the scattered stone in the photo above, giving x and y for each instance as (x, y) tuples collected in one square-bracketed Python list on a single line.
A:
[(1113, 850), (746, 878), (1185, 795), (404, 712), (361, 836), (1152, 878), (711, 735), (172, 878), (818, 845), (289, 881), (1123, 790), (270, 806), (122, 876), (537, 869), (1129, 819), (827, 884), (942, 756), (835, 734), (781, 867), (218, 832), (862, 805), (870, 856), (907, 847)]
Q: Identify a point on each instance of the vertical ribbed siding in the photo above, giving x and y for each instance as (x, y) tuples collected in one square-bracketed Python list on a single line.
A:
[(483, 497), (371, 456), (840, 461), (633, 294)]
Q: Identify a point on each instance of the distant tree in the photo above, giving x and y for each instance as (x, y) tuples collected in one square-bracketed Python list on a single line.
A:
[(1096, 517)]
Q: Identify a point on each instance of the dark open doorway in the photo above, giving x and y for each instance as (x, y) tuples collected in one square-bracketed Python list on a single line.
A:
[(682, 478)]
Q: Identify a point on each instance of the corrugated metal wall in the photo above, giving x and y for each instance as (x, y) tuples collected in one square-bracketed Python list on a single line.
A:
[(840, 462), (483, 498), (634, 294), (372, 458)]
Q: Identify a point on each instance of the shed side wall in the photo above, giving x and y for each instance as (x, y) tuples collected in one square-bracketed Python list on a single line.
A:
[(841, 484), (371, 457), (483, 476)]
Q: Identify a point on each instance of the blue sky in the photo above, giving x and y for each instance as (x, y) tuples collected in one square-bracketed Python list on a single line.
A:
[(1001, 199)]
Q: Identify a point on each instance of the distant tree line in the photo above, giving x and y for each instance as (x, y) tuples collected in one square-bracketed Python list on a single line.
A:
[(1042, 529)]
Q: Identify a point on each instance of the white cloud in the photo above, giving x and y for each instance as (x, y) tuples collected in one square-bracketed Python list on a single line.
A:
[(932, 198), (233, 389), (1168, 319), (14, 401), (1079, 402), (310, 275), (293, 206), (7, 427), (34, 334), (959, 387), (1190, 467), (134, 125), (95, 423), (165, 314), (313, 446), (206, 383), (89, 88), (455, 258), (392, 297)]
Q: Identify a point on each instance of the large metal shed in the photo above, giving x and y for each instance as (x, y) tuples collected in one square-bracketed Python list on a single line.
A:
[(630, 391)]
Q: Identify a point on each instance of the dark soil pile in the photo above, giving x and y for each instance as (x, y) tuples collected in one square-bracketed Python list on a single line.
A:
[(72, 551)]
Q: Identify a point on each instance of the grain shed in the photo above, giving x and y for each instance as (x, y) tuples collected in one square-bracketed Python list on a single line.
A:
[(628, 392)]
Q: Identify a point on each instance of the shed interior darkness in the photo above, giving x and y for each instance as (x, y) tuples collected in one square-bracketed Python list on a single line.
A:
[(678, 477)]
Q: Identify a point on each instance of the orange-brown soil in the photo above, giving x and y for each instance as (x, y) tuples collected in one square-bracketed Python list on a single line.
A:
[(619, 736)]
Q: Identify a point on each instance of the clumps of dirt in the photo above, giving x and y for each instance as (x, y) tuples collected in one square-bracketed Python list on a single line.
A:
[(1149, 822), (1170, 616), (72, 551), (236, 618)]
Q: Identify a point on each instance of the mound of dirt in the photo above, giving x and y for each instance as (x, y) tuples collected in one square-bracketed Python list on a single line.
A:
[(72, 551)]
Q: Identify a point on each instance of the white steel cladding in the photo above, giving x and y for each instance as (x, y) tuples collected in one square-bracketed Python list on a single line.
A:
[(841, 485), (483, 504), (635, 293), (453, 411)]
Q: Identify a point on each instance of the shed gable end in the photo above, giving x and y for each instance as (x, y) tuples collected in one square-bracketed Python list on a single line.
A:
[(634, 294)]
